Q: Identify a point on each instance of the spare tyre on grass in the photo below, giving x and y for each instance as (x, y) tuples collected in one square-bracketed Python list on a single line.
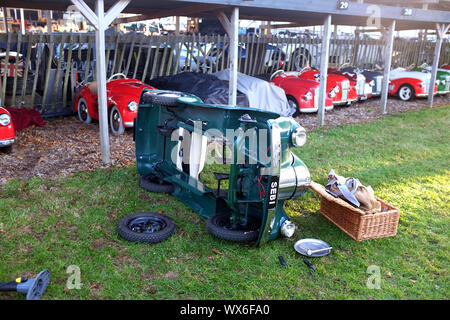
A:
[(146, 227)]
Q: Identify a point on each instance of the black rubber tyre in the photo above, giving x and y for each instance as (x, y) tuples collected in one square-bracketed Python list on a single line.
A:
[(219, 226), (293, 104), (115, 121), (147, 227), (152, 183), (6, 150), (83, 111)]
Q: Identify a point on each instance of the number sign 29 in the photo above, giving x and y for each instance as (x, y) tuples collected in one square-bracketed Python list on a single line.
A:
[(342, 5)]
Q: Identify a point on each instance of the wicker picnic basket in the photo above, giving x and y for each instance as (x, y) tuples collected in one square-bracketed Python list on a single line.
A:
[(355, 222)]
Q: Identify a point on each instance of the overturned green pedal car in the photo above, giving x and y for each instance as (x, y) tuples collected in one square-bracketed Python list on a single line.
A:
[(176, 134)]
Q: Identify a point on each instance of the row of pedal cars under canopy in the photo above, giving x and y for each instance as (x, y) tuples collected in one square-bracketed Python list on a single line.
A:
[(286, 93)]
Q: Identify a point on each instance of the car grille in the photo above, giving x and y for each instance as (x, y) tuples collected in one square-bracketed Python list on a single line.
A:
[(316, 98), (362, 86), (427, 86), (378, 83), (345, 85)]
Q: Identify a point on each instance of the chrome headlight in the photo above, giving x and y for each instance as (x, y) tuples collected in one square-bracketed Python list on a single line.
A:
[(443, 82), (437, 82), (372, 83), (422, 84), (308, 96), (132, 106), (288, 229), (5, 119), (332, 94), (336, 89), (298, 137)]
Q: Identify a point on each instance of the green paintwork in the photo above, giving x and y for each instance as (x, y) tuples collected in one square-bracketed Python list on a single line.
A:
[(443, 75), (153, 155)]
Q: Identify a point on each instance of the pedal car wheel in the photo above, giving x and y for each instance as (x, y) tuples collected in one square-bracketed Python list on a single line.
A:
[(406, 92), (83, 111), (6, 150), (220, 227), (147, 227), (152, 183), (115, 121), (293, 105)]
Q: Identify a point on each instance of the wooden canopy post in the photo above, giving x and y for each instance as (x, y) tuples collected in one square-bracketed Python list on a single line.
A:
[(441, 30), (177, 25), (101, 21), (232, 90), (324, 56), (387, 67), (231, 26), (5, 19), (48, 19), (22, 21)]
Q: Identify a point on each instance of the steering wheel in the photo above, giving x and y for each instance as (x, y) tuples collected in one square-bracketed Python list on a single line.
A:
[(276, 73), (304, 69), (345, 64), (410, 67), (117, 75)]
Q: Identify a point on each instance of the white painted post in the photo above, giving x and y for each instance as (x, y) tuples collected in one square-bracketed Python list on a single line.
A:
[(49, 21), (177, 25), (387, 67), (101, 80), (233, 57), (5, 19), (441, 30), (100, 21), (22, 21), (324, 56)]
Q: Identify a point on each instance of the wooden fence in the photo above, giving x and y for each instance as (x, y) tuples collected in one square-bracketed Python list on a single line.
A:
[(52, 67)]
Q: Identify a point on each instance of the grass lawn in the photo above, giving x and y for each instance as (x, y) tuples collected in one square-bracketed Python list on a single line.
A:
[(71, 221)]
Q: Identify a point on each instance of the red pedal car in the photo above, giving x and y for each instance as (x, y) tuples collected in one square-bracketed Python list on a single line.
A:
[(340, 89), (6, 131), (123, 99), (302, 94), (363, 86), (408, 84)]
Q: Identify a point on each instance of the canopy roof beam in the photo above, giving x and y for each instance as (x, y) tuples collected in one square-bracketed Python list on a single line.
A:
[(184, 11)]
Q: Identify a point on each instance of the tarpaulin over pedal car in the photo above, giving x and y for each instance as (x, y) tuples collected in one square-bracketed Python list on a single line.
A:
[(205, 86), (261, 94)]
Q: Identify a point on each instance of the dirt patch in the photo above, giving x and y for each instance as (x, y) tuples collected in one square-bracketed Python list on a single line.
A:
[(66, 145), (62, 146)]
